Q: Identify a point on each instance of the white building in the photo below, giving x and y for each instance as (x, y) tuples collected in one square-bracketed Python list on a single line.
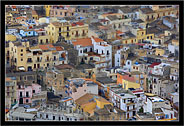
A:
[(124, 100)]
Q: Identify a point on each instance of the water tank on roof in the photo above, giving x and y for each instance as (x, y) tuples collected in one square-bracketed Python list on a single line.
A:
[(136, 63)]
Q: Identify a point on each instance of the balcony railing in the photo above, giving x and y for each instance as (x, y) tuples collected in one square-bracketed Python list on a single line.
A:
[(77, 35), (38, 60), (29, 61)]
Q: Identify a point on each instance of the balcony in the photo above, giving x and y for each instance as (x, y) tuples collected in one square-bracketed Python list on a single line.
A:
[(55, 59), (84, 34), (29, 61), (38, 60), (77, 35), (47, 60), (61, 59)]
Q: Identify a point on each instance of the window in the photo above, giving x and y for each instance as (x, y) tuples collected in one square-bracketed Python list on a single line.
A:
[(56, 12), (33, 91), (21, 50), (53, 117), (27, 100), (21, 54), (46, 40), (27, 94), (21, 59), (47, 116), (60, 13)]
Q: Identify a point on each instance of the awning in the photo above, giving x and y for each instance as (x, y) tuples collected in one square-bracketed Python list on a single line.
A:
[(21, 68)]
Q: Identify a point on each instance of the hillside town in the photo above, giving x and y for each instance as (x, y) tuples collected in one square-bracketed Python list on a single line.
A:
[(92, 63)]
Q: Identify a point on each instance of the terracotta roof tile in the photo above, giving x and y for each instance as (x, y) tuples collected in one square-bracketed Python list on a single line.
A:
[(85, 99), (119, 32), (154, 64), (97, 39), (126, 77), (46, 47), (79, 23), (83, 42), (58, 48)]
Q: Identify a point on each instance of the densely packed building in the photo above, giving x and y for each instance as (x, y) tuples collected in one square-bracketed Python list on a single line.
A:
[(96, 63)]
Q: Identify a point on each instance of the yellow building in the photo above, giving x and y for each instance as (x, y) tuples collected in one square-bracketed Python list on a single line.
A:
[(148, 14), (79, 30), (44, 39), (26, 58), (10, 92), (58, 31), (129, 82), (100, 102), (9, 37), (159, 52), (47, 9), (55, 79), (129, 40), (89, 102)]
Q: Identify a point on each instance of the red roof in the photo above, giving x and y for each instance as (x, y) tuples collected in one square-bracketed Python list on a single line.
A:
[(14, 7), (141, 44), (137, 91), (83, 42), (58, 48), (6, 110), (154, 64), (73, 24), (21, 17), (103, 20), (79, 23), (119, 32), (128, 78), (97, 39), (46, 47)]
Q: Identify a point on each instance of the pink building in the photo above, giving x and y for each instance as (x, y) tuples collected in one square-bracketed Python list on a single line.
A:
[(25, 92), (81, 86)]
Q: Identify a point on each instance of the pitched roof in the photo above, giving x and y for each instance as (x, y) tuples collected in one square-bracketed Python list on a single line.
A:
[(97, 39), (83, 42), (128, 78), (153, 64), (85, 99), (79, 23), (58, 48), (46, 47), (146, 10), (119, 32)]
